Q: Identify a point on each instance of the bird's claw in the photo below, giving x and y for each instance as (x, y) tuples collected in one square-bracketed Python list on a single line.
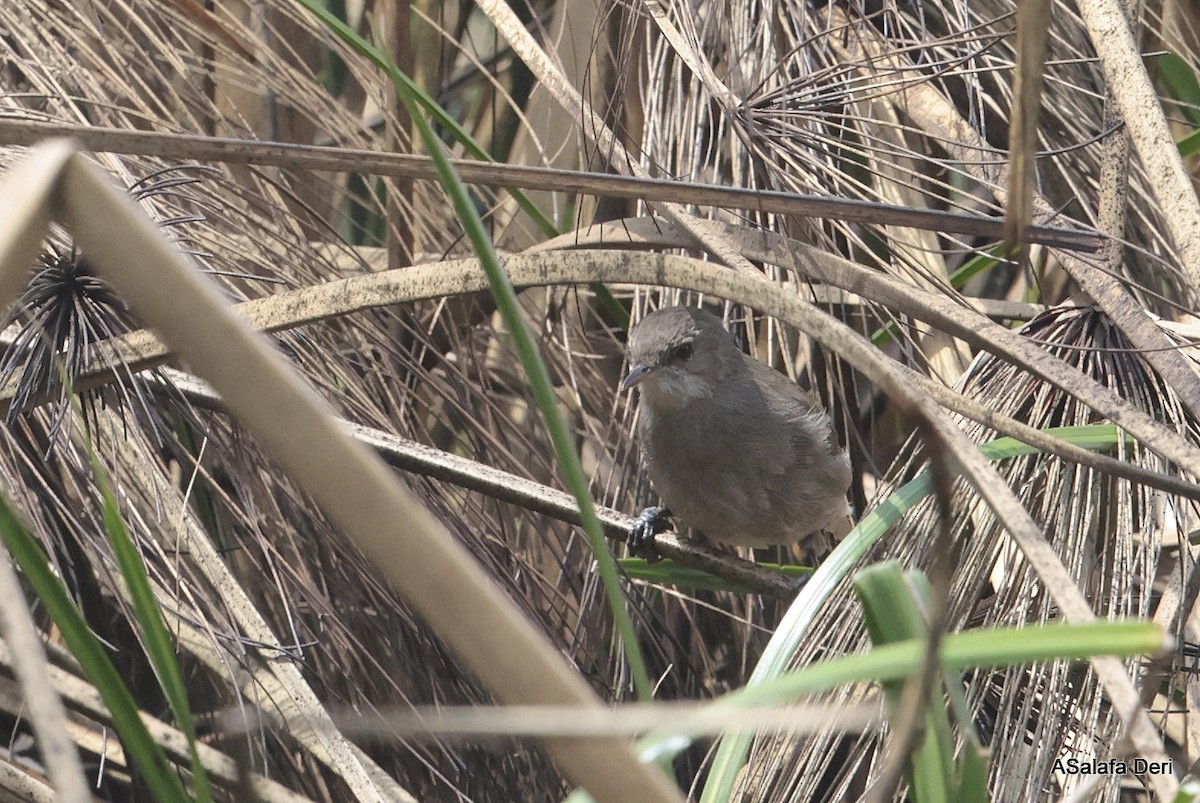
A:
[(651, 522), (797, 584)]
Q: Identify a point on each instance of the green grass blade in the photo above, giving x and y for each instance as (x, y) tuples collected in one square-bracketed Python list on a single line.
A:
[(1181, 86), (149, 759), (977, 265), (159, 646), (794, 626), (973, 775), (535, 369), (1189, 144), (986, 648), (667, 572), (422, 98), (894, 610)]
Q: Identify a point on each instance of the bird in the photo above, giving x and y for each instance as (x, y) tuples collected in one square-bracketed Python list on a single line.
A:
[(734, 448)]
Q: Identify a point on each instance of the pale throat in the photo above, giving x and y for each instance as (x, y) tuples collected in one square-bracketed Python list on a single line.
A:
[(673, 390)]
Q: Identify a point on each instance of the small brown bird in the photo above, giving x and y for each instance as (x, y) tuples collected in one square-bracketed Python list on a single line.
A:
[(734, 448)]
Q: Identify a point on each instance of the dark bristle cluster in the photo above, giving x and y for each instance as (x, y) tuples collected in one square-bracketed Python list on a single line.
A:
[(64, 312), (67, 311)]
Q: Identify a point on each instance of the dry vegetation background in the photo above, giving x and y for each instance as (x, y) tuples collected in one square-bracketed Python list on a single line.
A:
[(907, 104)]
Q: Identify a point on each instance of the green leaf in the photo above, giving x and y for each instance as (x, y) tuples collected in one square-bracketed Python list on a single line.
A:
[(1181, 86), (144, 754), (668, 572), (160, 648), (874, 525), (1189, 144), (895, 605), (986, 648), (890, 609), (978, 264), (973, 775), (506, 303)]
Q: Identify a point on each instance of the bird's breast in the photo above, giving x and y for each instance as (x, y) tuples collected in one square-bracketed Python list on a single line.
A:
[(740, 474)]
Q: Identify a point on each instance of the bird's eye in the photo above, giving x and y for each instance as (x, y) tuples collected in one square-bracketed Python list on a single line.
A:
[(682, 352)]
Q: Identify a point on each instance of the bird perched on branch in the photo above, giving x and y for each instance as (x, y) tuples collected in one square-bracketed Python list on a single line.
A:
[(735, 449)]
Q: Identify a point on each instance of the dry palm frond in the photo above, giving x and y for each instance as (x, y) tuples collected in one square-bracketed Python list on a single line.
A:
[(908, 105), (1109, 533), (66, 311), (439, 374), (913, 102)]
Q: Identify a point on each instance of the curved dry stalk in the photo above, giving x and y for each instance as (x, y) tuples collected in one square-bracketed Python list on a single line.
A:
[(651, 233), (82, 697), (358, 492), (26, 213), (634, 719), (411, 456), (1143, 117), (159, 501), (459, 277), (24, 787), (975, 329), (934, 113), (593, 127), (142, 350)]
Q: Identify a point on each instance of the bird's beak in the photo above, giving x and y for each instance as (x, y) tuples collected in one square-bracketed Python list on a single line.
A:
[(635, 376)]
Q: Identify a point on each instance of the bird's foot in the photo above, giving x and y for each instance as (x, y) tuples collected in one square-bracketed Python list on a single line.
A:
[(797, 584), (651, 522)]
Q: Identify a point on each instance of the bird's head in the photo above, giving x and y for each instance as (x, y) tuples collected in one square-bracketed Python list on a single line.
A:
[(678, 355)]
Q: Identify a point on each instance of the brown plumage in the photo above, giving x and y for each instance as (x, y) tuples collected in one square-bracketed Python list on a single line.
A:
[(734, 448)]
